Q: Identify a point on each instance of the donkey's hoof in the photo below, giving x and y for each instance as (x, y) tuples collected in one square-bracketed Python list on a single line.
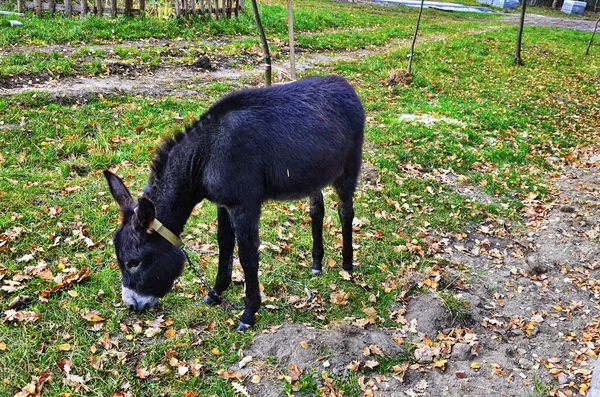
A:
[(243, 326), (316, 272), (211, 301)]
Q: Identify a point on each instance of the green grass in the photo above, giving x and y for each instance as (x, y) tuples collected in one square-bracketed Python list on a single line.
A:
[(53, 194)]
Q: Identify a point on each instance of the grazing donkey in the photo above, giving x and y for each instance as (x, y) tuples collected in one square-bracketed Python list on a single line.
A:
[(278, 143)]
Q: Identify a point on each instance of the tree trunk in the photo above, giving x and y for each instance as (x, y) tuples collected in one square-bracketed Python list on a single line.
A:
[(263, 41), (587, 52), (554, 4), (414, 40), (291, 40), (518, 59)]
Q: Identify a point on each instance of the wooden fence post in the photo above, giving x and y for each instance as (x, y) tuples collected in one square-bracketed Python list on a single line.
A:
[(99, 8), (68, 8), (52, 6), (193, 7), (20, 6), (291, 40), (113, 8), (84, 8), (177, 8), (224, 4), (143, 8), (38, 7), (237, 7), (209, 8), (128, 7)]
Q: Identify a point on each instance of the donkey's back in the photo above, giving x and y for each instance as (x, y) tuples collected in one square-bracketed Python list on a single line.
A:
[(286, 141)]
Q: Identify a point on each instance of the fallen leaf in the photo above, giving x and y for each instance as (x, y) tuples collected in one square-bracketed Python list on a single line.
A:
[(244, 361), (353, 366), (64, 347), (11, 315), (371, 363), (230, 375), (93, 316), (240, 388), (150, 332), (142, 373), (255, 379), (294, 372), (170, 332)]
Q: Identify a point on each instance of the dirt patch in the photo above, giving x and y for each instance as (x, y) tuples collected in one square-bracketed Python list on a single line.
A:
[(306, 350)]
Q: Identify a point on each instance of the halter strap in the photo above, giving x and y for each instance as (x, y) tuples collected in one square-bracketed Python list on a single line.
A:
[(168, 235), (163, 231)]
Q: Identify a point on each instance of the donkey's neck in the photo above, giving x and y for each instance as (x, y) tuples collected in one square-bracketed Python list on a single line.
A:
[(177, 188)]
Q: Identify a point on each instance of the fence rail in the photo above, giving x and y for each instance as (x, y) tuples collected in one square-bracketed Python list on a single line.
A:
[(212, 8)]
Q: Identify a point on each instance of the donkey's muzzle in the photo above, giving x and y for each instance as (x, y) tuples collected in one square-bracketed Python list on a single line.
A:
[(137, 302)]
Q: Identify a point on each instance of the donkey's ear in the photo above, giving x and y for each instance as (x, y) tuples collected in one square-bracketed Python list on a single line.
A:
[(145, 213), (118, 190)]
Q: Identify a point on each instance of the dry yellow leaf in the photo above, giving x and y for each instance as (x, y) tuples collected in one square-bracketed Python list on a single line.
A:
[(304, 344), (64, 347), (170, 332)]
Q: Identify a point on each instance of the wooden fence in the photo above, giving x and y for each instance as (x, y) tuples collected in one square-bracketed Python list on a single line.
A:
[(216, 8)]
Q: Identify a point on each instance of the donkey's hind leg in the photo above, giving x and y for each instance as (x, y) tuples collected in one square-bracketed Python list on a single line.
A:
[(226, 238), (317, 213), (345, 187)]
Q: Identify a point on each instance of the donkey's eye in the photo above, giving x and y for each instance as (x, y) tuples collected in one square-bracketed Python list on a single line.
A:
[(132, 264)]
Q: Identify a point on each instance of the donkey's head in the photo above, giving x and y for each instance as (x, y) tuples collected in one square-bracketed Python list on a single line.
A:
[(149, 263)]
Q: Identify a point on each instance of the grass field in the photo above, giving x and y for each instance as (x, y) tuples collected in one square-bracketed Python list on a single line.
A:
[(56, 216)]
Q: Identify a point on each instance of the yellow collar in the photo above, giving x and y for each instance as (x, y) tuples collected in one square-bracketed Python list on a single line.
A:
[(168, 235)]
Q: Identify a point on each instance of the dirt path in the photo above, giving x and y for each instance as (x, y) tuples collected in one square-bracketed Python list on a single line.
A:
[(586, 25), (178, 80)]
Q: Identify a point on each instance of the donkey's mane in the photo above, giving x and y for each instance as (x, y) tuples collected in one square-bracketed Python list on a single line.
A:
[(233, 101), (161, 154)]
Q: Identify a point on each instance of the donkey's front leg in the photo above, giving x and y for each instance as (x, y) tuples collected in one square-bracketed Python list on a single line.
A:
[(245, 221), (317, 213), (226, 239)]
